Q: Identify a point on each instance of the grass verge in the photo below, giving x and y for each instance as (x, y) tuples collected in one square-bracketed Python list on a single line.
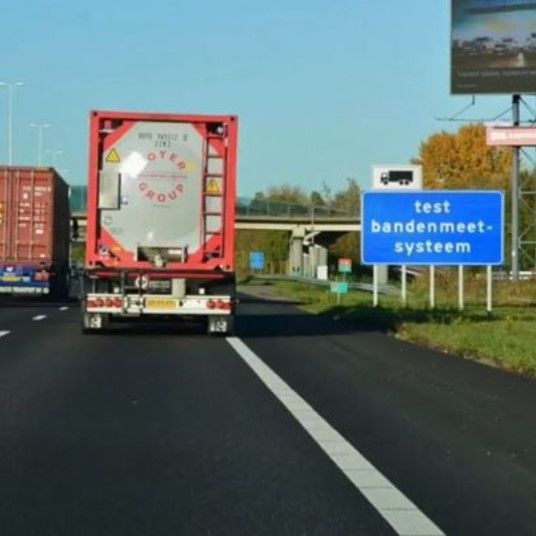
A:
[(505, 338)]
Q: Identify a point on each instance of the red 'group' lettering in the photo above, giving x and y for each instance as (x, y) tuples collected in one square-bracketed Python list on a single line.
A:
[(160, 197)]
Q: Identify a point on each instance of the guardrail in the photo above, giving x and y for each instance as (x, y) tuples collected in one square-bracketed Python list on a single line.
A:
[(388, 290), (244, 207)]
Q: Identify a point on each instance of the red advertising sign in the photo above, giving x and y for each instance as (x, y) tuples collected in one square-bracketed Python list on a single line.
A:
[(511, 136), (345, 266)]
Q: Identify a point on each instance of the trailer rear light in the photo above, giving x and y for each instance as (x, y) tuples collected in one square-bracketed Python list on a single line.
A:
[(99, 302), (117, 302), (220, 304), (211, 304)]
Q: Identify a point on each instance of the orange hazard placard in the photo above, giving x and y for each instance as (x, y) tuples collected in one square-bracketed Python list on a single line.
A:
[(213, 187), (113, 157)]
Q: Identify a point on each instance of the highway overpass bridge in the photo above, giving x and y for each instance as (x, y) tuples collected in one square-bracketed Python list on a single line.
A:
[(305, 223)]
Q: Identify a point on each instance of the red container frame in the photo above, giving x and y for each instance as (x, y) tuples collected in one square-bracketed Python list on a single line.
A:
[(220, 266), (56, 220)]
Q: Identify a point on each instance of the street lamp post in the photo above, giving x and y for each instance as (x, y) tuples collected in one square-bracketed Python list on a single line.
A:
[(54, 154), (40, 127), (10, 87)]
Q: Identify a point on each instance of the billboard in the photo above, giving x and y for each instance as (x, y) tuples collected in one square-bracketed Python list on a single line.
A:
[(511, 137), (493, 46)]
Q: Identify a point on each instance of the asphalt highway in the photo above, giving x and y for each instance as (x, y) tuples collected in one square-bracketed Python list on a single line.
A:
[(296, 425)]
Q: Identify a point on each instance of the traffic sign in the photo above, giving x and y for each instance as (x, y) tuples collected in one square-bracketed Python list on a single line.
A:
[(339, 287), (433, 227), (397, 177), (256, 260), (345, 266)]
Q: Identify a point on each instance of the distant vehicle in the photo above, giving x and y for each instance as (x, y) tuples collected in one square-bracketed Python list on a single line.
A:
[(160, 219), (402, 177), (34, 232)]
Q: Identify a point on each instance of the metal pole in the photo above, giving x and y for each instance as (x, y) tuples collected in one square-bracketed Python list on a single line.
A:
[(10, 123), (489, 289), (375, 285), (39, 144), (515, 193), (39, 127), (10, 89), (460, 288), (404, 285), (432, 287)]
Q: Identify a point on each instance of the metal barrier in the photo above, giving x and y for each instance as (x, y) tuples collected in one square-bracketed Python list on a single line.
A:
[(244, 207)]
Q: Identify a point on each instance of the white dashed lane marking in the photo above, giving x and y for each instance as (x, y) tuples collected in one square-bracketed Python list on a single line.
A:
[(64, 308), (38, 318), (4, 333), (405, 518)]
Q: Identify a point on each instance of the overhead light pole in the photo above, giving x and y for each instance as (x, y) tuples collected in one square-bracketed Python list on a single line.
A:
[(54, 154), (39, 127), (10, 87)]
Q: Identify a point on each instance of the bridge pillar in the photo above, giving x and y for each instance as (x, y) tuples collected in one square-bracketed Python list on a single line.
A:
[(295, 257)]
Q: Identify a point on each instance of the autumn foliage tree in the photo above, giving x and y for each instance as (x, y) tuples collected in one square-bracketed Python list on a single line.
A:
[(462, 160)]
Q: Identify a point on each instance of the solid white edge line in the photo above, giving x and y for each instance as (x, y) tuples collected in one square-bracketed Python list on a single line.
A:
[(405, 518), (4, 333), (39, 317)]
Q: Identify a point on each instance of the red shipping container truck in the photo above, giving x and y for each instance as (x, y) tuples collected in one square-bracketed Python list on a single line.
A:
[(160, 219), (34, 231)]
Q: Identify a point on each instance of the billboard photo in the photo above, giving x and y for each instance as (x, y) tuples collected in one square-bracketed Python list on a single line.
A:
[(493, 48)]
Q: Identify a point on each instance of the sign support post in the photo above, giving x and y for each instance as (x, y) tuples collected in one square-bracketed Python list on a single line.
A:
[(404, 286), (489, 305), (375, 285), (460, 287), (432, 287)]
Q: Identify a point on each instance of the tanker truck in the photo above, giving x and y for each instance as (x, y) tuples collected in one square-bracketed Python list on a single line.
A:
[(160, 219)]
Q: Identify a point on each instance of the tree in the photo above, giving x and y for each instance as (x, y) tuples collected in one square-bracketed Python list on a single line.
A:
[(463, 160), (287, 194), (316, 199), (349, 199)]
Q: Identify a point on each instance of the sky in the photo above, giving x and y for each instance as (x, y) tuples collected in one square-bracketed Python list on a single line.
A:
[(323, 89)]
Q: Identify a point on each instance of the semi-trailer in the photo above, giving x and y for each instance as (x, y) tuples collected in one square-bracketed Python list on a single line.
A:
[(34, 231), (160, 219)]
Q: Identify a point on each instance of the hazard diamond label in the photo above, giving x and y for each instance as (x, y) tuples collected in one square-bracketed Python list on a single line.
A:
[(113, 157), (213, 187)]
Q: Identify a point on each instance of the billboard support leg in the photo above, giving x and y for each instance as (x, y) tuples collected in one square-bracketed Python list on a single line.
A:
[(460, 287), (516, 99), (432, 287)]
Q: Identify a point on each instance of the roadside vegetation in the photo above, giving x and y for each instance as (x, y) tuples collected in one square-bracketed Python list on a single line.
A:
[(450, 160), (505, 338)]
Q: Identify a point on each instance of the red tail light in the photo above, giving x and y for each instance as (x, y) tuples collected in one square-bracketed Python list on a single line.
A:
[(211, 304), (99, 302), (118, 302)]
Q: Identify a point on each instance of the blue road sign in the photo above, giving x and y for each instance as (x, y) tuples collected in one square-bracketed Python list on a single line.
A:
[(433, 227), (256, 260)]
